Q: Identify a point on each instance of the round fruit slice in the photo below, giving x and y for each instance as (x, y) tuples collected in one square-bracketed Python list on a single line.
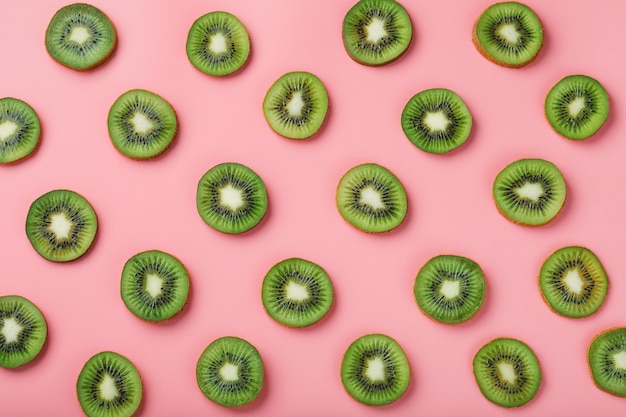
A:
[(80, 37), (530, 191), (507, 372), (375, 370), (450, 289), (297, 292), (230, 372), (20, 130), (154, 285), (23, 331), (577, 107), (436, 120), (376, 32), (606, 357), (109, 385), (509, 34), (61, 225)]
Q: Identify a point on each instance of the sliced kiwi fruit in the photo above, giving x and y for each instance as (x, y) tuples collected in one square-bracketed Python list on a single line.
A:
[(231, 198), (509, 34), (297, 292), (371, 198), (80, 36), (450, 289), (109, 385), (577, 107), (376, 32), (218, 44), (61, 225), (436, 120), (530, 191), (20, 130), (23, 331), (142, 124), (154, 285), (573, 282), (230, 372), (375, 370), (606, 357), (507, 372), (296, 104)]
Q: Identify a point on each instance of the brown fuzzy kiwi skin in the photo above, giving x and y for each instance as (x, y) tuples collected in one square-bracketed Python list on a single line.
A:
[(589, 365)]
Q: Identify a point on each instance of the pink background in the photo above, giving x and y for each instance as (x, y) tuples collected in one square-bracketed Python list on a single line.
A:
[(151, 205)]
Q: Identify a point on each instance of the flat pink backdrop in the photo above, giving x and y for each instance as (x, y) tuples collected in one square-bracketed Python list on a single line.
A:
[(151, 205)]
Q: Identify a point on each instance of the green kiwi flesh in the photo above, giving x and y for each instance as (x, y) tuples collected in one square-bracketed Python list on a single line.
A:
[(154, 285), (371, 198), (606, 357), (450, 289), (80, 36), (109, 385), (23, 331), (573, 282), (218, 44), (20, 130), (530, 192), (142, 124), (61, 225), (436, 120), (509, 34), (297, 292), (577, 107), (295, 106), (376, 32), (230, 372), (375, 370), (507, 372)]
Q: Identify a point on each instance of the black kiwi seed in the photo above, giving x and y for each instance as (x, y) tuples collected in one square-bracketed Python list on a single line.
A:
[(20, 130), (23, 331)]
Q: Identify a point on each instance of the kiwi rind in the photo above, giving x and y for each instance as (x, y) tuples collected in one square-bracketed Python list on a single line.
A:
[(152, 109), (396, 23), (601, 361), (589, 118), (441, 103), (75, 209), (27, 130), (312, 101), (520, 359), (110, 369), (530, 172), (355, 379), (73, 55), (30, 338), (230, 351), (498, 50)]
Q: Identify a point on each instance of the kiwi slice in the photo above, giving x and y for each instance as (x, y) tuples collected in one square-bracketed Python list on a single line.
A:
[(230, 372), (296, 104), (375, 370), (577, 107), (23, 331), (109, 385), (20, 130), (436, 120), (231, 198), (154, 285), (218, 44), (606, 357), (509, 34), (507, 372), (80, 36), (376, 32), (450, 289), (573, 282), (142, 124), (297, 292), (371, 198), (61, 225), (530, 192)]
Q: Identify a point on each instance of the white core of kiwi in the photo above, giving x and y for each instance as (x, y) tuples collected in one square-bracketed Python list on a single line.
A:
[(507, 372), (530, 191), (375, 370), (60, 225), (436, 121), (576, 106), (11, 330), (619, 359), (80, 35), (7, 129), (217, 45), (371, 197), (376, 30), (296, 105), (450, 289), (108, 390), (573, 281), (231, 197), (229, 372), (154, 285), (141, 123), (296, 292), (509, 33)]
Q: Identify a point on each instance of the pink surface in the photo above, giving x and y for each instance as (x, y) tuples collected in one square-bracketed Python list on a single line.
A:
[(151, 205)]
